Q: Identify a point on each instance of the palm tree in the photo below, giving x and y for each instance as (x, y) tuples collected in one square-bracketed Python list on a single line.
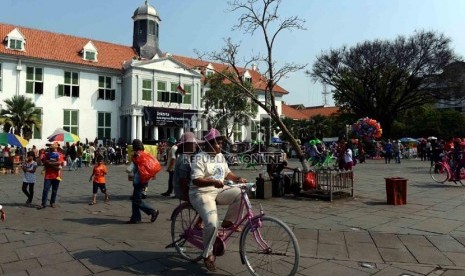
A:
[(22, 115)]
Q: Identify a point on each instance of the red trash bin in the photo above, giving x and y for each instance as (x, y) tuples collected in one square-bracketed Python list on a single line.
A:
[(396, 190)]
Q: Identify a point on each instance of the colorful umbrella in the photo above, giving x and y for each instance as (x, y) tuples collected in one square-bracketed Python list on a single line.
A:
[(12, 139), (61, 135)]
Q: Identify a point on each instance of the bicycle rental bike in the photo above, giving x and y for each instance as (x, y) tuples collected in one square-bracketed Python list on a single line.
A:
[(267, 246)]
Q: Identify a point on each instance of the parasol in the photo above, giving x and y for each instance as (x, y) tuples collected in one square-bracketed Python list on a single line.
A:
[(61, 135), (12, 139)]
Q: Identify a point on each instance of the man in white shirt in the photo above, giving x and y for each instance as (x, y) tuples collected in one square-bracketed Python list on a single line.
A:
[(170, 164)]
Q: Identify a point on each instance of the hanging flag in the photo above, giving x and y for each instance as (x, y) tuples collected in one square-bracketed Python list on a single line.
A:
[(181, 90)]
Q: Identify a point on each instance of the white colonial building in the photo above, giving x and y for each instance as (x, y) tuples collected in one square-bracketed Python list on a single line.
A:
[(99, 89)]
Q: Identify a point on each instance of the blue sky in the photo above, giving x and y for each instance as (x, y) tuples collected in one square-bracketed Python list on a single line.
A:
[(203, 24)]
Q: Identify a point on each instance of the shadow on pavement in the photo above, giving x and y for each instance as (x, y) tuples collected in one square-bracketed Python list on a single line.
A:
[(96, 221), (140, 262)]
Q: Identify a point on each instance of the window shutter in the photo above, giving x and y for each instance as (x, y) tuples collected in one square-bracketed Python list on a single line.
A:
[(113, 94), (61, 90), (101, 93)]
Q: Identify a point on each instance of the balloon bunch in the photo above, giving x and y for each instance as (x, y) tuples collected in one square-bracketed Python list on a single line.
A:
[(367, 129)]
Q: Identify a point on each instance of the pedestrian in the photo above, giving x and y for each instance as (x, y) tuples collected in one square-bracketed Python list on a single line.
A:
[(170, 164), (3, 214), (187, 147), (397, 149), (388, 151), (137, 203), (51, 178), (98, 174), (29, 178), (207, 190)]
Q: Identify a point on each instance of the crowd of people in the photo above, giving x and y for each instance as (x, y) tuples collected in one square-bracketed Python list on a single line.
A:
[(199, 164)]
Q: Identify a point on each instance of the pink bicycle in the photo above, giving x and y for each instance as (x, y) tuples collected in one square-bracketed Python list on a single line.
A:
[(442, 171), (267, 246)]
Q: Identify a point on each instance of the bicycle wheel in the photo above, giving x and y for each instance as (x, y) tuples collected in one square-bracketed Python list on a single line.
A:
[(270, 250), (439, 173), (183, 234)]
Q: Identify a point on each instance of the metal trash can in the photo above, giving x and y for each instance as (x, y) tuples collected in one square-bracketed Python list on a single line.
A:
[(263, 188), (396, 190)]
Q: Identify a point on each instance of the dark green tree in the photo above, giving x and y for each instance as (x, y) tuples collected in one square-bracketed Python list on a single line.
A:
[(22, 115), (382, 78), (262, 17), (225, 106)]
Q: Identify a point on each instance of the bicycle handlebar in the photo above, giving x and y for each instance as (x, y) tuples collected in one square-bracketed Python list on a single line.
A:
[(249, 186)]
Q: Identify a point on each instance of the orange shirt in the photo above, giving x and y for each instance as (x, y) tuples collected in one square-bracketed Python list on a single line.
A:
[(99, 173), (53, 173)]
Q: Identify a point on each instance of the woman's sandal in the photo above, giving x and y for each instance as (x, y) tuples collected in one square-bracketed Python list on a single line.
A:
[(92, 203), (209, 264), (228, 224)]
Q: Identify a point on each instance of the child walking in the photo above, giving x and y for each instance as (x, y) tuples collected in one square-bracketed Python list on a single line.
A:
[(98, 173), (29, 178)]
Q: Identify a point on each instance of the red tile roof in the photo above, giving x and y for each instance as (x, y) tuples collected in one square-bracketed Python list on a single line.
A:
[(323, 111), (58, 47), (258, 80), (65, 48), (292, 113), (304, 114)]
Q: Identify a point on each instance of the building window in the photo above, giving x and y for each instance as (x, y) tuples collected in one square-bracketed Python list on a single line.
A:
[(34, 80), (90, 55), (237, 133), (15, 44), (248, 80), (105, 92), (37, 131), (254, 130), (163, 94), (104, 125), (187, 98), (71, 86), (71, 121), (146, 90), (175, 95)]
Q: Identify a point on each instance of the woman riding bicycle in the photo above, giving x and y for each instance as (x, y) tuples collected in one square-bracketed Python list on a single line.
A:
[(209, 170)]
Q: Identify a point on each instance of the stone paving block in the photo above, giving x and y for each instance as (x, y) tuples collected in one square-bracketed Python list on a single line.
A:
[(358, 265), (446, 243), (417, 268), (358, 237), (453, 272), (39, 250), (308, 262), (331, 237), (3, 238), (429, 255), (60, 269), (8, 256), (37, 241), (437, 225), (401, 255), (108, 261), (301, 233), (55, 259), (457, 258), (332, 269), (308, 247), (415, 240), (86, 253), (332, 251), (386, 240), (82, 243), (364, 252), (391, 270), (20, 266)]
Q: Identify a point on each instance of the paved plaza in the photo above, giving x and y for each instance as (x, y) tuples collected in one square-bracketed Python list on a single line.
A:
[(350, 236)]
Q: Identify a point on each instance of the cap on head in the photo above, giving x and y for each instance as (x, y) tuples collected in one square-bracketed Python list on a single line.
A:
[(171, 140), (213, 134), (137, 145)]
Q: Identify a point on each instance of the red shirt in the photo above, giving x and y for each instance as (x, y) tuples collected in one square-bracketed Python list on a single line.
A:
[(99, 173), (52, 173)]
